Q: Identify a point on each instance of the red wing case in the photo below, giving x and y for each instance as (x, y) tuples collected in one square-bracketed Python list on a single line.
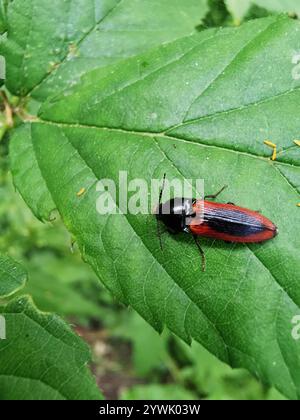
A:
[(230, 223)]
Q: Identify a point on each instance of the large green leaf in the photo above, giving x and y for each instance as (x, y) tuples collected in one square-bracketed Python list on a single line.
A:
[(12, 276), (51, 44), (201, 106)]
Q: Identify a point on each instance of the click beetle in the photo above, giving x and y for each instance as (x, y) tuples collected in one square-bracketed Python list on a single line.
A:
[(226, 222)]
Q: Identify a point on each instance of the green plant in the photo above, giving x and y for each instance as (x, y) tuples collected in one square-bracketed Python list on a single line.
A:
[(41, 358), (92, 94)]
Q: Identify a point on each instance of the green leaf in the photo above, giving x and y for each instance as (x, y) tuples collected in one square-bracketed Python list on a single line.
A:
[(3, 11), (158, 392), (42, 358), (201, 107), (148, 348), (12, 276), (55, 286), (218, 14), (51, 45), (215, 380)]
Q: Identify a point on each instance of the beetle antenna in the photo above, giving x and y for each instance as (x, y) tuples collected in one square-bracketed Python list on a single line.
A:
[(162, 189), (159, 203)]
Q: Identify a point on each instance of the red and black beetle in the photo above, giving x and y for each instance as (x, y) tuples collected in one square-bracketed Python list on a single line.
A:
[(226, 222)]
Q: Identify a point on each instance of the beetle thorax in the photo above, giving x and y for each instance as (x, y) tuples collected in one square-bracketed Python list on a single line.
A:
[(174, 212)]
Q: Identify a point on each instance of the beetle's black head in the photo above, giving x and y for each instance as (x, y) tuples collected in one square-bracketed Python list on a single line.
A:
[(173, 214)]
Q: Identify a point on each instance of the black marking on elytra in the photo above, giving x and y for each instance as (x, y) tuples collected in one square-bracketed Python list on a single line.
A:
[(232, 222)]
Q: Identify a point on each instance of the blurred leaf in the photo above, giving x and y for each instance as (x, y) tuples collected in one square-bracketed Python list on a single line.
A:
[(287, 6), (238, 9), (20, 233), (157, 392), (56, 286), (216, 381), (41, 358), (192, 368), (3, 126), (218, 14), (12, 276), (149, 349), (3, 10)]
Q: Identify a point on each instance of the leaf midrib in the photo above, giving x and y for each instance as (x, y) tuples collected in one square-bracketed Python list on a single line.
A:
[(163, 134)]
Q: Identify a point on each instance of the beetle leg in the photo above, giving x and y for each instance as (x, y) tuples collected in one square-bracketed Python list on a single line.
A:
[(201, 252), (213, 196), (183, 220), (231, 203)]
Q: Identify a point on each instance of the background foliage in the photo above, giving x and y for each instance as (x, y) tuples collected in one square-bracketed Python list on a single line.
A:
[(130, 359)]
